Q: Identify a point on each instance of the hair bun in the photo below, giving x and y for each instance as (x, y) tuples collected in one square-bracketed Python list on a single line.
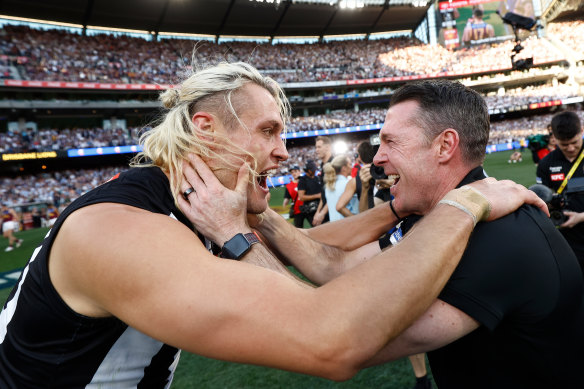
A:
[(170, 98)]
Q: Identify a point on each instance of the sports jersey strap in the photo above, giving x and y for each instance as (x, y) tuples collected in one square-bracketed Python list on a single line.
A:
[(572, 170)]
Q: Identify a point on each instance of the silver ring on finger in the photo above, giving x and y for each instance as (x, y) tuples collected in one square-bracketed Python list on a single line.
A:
[(187, 192)]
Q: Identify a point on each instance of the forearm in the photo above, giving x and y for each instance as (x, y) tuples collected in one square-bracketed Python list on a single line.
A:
[(356, 231), (305, 197), (345, 212), (364, 200), (259, 255), (403, 281), (317, 261)]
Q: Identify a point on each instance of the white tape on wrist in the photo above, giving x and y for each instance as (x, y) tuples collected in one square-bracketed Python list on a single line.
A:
[(469, 200)]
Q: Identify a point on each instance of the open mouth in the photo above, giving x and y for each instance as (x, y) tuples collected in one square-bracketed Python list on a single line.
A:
[(394, 178), (263, 177)]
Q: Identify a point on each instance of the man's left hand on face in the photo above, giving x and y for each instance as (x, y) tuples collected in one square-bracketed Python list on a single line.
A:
[(573, 219), (215, 211)]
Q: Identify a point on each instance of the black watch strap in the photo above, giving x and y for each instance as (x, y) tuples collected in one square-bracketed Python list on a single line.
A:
[(236, 247)]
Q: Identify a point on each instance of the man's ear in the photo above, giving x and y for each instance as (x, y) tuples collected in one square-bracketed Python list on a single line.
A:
[(204, 124), (448, 142)]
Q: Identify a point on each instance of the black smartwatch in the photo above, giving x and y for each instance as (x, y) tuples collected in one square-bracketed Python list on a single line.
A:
[(236, 247)]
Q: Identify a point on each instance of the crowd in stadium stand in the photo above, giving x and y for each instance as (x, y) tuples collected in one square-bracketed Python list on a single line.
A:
[(57, 55), (532, 94), (59, 188), (570, 33), (63, 187), (54, 140)]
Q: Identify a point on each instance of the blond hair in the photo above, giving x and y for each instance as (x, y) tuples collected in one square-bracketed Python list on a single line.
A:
[(332, 169), (214, 90)]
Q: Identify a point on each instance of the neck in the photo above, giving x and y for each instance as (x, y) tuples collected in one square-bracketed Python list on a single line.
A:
[(449, 180)]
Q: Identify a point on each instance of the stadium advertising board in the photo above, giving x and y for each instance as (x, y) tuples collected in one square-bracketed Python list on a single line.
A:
[(32, 155), (473, 22)]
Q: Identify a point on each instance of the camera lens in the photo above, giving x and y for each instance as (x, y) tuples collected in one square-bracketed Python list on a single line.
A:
[(558, 217), (377, 172)]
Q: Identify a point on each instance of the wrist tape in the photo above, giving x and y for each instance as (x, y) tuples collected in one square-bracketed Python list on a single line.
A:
[(469, 200)]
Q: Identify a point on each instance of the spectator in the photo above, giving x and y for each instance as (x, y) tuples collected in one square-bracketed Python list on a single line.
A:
[(335, 179), (291, 195)]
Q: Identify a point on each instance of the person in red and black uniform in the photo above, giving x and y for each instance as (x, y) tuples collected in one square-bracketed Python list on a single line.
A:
[(52, 215), (291, 195), (9, 226)]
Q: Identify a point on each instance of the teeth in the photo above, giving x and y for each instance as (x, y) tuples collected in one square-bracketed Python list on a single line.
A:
[(393, 178)]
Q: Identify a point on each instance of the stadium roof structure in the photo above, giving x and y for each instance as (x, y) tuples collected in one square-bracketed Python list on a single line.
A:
[(266, 18)]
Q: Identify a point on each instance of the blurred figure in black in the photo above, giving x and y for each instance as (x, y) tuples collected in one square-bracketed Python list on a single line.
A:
[(561, 165), (324, 152), (309, 192)]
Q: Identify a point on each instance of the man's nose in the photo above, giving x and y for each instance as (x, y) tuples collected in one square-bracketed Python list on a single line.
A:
[(280, 151)]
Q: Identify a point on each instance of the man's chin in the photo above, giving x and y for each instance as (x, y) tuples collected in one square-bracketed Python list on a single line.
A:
[(257, 207)]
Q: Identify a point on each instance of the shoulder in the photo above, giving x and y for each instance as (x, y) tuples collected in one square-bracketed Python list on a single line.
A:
[(112, 241), (525, 232), (513, 264)]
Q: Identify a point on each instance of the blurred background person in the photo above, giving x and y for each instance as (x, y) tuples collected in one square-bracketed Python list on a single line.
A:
[(324, 152), (557, 170), (309, 192), (291, 197), (476, 28), (355, 188), (335, 179), (10, 225)]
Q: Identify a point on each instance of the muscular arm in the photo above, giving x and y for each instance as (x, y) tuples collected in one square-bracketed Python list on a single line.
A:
[(438, 326), (370, 225), (108, 261), (107, 258), (317, 261)]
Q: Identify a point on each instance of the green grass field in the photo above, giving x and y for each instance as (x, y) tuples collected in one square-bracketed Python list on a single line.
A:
[(198, 372)]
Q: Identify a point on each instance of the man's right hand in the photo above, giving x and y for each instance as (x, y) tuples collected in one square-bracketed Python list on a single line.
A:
[(365, 176), (506, 196), (216, 211)]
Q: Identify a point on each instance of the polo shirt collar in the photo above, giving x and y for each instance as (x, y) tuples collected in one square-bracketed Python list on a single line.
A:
[(476, 174)]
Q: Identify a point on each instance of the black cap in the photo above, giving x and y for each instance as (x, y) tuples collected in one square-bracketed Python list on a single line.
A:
[(310, 166), (294, 167)]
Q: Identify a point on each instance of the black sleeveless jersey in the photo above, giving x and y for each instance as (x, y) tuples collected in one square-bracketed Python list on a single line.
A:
[(44, 343)]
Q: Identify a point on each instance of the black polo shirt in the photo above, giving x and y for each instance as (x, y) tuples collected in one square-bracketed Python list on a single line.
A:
[(521, 281), (551, 172), (310, 185)]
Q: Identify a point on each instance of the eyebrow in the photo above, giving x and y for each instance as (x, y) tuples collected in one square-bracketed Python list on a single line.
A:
[(384, 137), (272, 123)]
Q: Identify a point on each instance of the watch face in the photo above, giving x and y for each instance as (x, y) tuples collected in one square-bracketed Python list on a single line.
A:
[(235, 247)]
